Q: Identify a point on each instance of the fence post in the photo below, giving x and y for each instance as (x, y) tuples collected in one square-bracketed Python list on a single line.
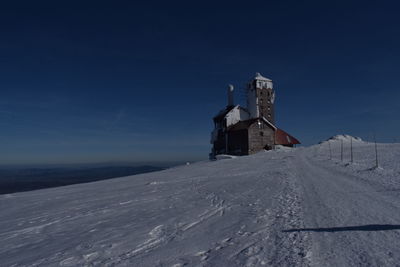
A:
[(376, 153), (341, 150), (330, 150), (351, 148)]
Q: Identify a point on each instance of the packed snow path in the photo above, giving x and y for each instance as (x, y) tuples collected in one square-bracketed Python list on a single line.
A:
[(353, 222), (283, 208)]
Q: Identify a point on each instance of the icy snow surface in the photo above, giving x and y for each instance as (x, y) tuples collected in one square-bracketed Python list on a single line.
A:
[(292, 207)]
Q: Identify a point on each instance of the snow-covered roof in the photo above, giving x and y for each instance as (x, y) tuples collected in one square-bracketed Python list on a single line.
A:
[(228, 109), (261, 78), (223, 112), (244, 124), (268, 122)]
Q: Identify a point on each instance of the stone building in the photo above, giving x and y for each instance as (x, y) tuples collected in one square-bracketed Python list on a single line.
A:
[(244, 131)]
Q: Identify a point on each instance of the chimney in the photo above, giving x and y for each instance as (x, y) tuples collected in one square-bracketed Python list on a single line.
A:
[(230, 95)]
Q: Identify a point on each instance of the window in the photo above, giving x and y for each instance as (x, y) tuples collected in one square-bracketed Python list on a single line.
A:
[(261, 133)]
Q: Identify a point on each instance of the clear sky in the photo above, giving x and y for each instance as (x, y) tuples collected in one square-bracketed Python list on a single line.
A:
[(93, 81)]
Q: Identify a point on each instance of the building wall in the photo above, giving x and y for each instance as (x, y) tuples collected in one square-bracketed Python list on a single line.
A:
[(238, 142), (260, 137)]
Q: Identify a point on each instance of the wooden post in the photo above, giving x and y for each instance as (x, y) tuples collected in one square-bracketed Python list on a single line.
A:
[(341, 150), (330, 150), (351, 148), (376, 153)]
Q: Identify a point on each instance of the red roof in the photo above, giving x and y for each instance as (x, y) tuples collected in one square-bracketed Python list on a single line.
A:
[(283, 138)]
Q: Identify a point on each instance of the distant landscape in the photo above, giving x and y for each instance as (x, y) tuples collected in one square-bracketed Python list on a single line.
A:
[(25, 179)]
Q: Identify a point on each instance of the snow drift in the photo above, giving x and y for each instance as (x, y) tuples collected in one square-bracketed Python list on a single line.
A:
[(344, 138)]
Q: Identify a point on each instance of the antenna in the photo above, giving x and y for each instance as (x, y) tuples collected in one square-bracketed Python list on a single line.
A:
[(230, 95)]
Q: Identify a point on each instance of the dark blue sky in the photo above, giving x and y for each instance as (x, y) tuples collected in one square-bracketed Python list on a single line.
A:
[(92, 81)]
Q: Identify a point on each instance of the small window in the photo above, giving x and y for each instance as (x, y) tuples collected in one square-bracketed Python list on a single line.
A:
[(261, 133)]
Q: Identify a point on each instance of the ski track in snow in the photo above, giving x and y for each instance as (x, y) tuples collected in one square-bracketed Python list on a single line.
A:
[(278, 208)]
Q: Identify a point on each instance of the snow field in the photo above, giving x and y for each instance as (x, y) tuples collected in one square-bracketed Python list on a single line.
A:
[(290, 207)]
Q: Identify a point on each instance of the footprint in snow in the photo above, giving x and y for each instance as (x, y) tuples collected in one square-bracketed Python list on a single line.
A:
[(203, 254), (71, 261)]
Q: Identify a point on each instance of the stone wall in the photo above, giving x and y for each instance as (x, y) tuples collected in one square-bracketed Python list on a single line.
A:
[(260, 137)]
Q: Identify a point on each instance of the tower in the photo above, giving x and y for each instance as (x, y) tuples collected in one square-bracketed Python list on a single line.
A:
[(260, 98)]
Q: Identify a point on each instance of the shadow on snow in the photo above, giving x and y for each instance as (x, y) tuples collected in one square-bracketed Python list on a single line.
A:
[(368, 227)]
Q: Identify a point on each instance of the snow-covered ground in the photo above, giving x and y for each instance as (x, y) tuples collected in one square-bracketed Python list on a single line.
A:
[(290, 207)]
